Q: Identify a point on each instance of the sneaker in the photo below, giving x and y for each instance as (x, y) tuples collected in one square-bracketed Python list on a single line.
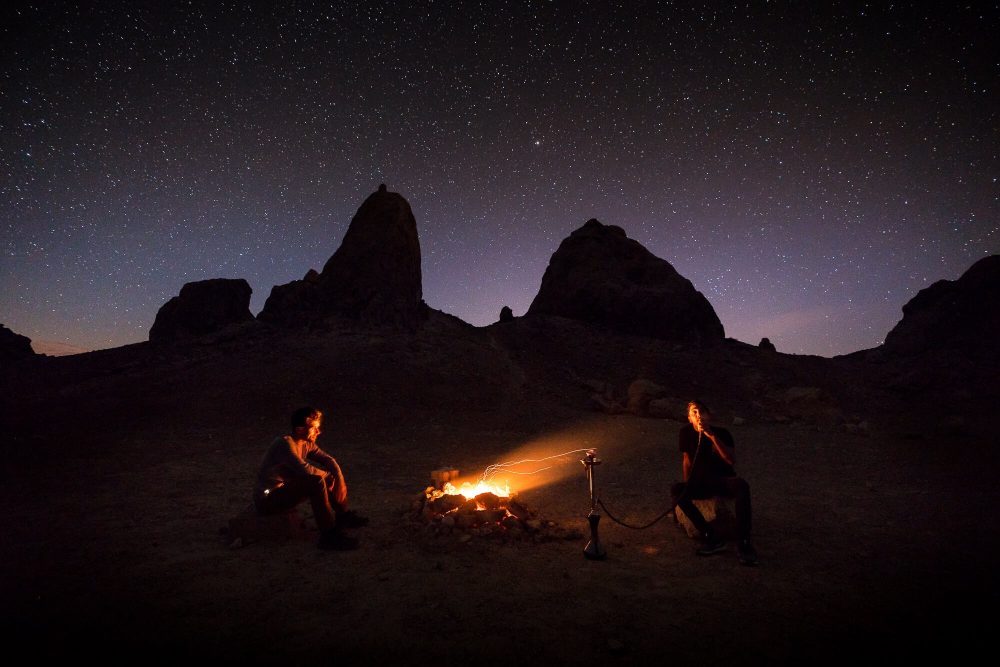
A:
[(335, 540), (351, 519), (746, 553), (712, 545)]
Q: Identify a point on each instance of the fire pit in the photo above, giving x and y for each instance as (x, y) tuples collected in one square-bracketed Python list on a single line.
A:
[(481, 510)]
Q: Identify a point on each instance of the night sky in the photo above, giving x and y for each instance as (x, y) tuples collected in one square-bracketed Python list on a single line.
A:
[(808, 170)]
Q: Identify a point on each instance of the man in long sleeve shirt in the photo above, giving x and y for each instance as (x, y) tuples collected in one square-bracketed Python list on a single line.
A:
[(296, 469)]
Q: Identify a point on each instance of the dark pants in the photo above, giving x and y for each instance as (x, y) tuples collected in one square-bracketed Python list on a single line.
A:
[(319, 490), (727, 487)]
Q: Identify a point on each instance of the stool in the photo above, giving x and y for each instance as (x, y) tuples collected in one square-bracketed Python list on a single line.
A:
[(249, 526), (716, 511)]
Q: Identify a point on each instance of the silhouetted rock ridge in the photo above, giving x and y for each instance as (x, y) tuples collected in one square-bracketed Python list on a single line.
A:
[(952, 315), (374, 276), (599, 275), (14, 346), (201, 308)]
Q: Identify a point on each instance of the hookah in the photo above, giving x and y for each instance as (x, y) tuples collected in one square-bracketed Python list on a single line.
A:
[(593, 550)]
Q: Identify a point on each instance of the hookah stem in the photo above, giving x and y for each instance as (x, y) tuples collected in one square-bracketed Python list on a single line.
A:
[(590, 479)]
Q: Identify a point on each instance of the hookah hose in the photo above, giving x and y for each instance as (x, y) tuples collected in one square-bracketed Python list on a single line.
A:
[(668, 511)]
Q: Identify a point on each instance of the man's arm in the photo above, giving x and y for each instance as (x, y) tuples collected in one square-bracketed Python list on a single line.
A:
[(323, 460), (293, 461), (722, 445), (686, 465), (319, 458)]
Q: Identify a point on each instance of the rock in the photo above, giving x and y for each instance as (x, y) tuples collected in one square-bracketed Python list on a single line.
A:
[(533, 524), (373, 277), (960, 314), (600, 276), (201, 308), (667, 408), (716, 512), (606, 404), (506, 314), (803, 394), (14, 347), (766, 344), (640, 393), (249, 526)]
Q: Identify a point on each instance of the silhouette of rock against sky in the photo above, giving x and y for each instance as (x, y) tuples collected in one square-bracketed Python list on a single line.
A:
[(374, 276), (599, 275), (952, 314), (14, 346), (203, 307)]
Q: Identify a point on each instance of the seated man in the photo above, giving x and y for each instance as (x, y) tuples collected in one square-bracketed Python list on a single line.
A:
[(708, 465), (295, 469)]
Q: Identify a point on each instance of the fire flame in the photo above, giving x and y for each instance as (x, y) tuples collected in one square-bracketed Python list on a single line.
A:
[(470, 490)]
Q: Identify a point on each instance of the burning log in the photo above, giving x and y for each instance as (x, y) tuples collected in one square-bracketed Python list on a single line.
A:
[(488, 501), (446, 503), (492, 516), (481, 513), (518, 511)]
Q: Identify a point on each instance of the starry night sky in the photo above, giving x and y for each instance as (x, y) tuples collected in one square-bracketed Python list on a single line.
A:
[(809, 170)]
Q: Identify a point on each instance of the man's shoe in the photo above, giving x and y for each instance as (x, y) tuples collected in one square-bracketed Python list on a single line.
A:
[(712, 545), (746, 553), (351, 519), (335, 540)]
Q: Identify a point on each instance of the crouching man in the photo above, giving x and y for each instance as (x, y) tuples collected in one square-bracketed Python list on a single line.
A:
[(296, 469)]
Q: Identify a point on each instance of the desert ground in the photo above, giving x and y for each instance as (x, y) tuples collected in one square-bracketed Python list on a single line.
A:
[(123, 469)]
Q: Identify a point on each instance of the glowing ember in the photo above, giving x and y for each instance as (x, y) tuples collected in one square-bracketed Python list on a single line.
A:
[(472, 490)]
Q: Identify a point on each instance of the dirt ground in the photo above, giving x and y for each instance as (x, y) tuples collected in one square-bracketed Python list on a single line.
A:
[(872, 546)]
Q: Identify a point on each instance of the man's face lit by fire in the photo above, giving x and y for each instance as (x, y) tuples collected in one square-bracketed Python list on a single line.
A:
[(311, 430), (699, 417)]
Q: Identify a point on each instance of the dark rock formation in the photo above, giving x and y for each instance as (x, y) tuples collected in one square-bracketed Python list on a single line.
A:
[(599, 275), (374, 276), (766, 344), (506, 314), (13, 346), (952, 315), (203, 307), (641, 393)]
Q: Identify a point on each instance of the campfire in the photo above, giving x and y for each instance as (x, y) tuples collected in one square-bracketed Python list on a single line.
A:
[(481, 509)]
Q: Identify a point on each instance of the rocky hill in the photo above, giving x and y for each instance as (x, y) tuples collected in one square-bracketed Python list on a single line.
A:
[(612, 329)]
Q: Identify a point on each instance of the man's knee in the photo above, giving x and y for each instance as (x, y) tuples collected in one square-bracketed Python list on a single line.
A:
[(317, 484), (739, 487)]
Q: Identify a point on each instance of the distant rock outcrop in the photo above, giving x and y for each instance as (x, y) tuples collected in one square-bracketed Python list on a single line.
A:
[(13, 346), (373, 277), (203, 307), (506, 314), (599, 275), (766, 344), (952, 315)]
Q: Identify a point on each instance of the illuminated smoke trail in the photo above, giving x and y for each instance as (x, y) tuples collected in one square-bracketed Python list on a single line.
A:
[(493, 469)]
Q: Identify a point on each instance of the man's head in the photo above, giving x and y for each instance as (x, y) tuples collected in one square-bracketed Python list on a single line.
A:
[(306, 422), (699, 415)]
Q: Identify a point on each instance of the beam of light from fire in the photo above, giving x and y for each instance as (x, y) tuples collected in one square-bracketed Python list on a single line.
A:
[(560, 451), (494, 469)]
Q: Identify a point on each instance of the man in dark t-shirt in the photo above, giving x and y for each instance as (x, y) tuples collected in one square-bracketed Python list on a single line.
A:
[(707, 458)]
